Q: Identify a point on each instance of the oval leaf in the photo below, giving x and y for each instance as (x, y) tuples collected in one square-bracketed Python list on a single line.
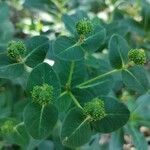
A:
[(66, 48), (37, 48), (118, 51), (43, 73), (94, 41), (40, 120), (76, 129), (135, 79), (117, 116)]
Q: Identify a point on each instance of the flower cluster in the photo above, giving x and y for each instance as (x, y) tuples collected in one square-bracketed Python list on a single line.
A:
[(95, 109), (138, 56), (16, 49), (42, 95), (7, 127), (84, 27)]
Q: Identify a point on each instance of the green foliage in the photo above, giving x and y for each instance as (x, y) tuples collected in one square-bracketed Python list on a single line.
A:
[(138, 56), (68, 77)]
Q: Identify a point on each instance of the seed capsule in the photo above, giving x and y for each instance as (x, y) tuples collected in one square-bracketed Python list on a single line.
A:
[(16, 49), (138, 56), (95, 109), (84, 27), (42, 94)]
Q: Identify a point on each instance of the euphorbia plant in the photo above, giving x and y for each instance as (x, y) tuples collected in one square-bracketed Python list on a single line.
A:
[(70, 94)]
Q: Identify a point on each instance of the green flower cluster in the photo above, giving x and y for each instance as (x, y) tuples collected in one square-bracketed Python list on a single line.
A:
[(84, 26), (138, 56), (95, 109), (7, 127), (42, 95), (16, 49)]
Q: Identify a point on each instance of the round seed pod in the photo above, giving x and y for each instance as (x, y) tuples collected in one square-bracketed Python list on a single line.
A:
[(138, 56)]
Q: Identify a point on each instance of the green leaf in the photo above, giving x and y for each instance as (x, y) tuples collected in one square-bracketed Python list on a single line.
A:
[(63, 102), (20, 135), (95, 40), (11, 71), (4, 11), (135, 79), (117, 140), (43, 73), (73, 71), (67, 48), (117, 115), (37, 48), (76, 129), (118, 51), (40, 120), (138, 138)]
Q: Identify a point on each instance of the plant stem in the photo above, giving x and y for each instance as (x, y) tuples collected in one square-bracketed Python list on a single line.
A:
[(71, 72), (75, 100), (97, 78)]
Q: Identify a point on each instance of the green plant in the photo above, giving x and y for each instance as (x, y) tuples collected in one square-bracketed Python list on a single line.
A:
[(97, 84)]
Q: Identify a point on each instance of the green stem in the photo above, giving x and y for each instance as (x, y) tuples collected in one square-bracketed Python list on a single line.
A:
[(59, 6), (75, 100), (71, 73), (63, 93), (97, 78)]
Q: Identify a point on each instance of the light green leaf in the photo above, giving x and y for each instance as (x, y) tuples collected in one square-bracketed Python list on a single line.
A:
[(40, 120)]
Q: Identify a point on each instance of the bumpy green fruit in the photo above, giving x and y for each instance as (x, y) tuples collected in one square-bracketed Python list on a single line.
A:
[(84, 27), (16, 49), (95, 109), (42, 95), (138, 56), (7, 127)]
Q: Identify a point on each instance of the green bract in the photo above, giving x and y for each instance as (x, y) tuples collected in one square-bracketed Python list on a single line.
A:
[(95, 109), (138, 56), (16, 49), (84, 27), (42, 94), (7, 127)]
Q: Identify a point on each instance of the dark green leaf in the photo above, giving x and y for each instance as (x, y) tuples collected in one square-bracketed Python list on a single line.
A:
[(135, 79), (37, 48), (40, 120), (76, 130), (118, 51), (43, 73), (95, 40), (117, 116), (67, 48), (74, 71)]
